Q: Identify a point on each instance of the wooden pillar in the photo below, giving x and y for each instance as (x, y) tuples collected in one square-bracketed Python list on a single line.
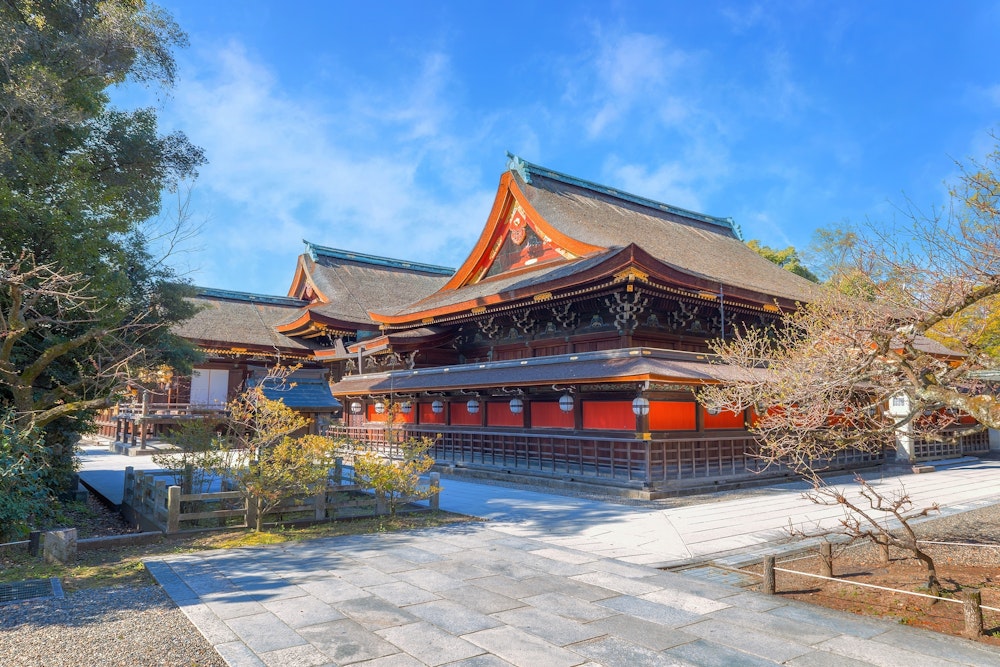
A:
[(173, 509)]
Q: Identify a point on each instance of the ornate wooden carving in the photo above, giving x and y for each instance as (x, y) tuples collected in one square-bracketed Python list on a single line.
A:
[(565, 315), (490, 327), (524, 322), (626, 309)]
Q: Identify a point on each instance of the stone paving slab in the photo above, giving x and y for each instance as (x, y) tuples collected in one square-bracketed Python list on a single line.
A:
[(387, 619), (490, 585), (391, 618)]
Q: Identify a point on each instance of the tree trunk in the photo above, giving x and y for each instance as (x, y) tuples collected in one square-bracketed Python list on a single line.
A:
[(933, 585)]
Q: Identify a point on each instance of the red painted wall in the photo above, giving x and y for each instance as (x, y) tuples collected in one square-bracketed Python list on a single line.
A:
[(460, 415), (400, 417), (427, 415), (724, 419), (672, 416), (609, 415), (499, 414), (546, 414)]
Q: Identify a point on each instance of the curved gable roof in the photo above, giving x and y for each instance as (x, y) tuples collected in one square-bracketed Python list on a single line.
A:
[(345, 286), (585, 224)]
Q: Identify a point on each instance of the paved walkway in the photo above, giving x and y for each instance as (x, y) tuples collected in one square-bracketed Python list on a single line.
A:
[(549, 580)]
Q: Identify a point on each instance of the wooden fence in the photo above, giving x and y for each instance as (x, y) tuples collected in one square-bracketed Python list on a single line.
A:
[(149, 503), (624, 460)]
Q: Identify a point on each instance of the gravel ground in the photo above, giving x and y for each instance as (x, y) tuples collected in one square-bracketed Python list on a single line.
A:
[(102, 627), (141, 626)]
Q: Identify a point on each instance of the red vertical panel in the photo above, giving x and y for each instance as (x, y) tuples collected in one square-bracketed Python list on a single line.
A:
[(724, 419), (672, 415), (460, 415), (374, 416), (609, 415), (548, 414), (499, 414), (428, 416)]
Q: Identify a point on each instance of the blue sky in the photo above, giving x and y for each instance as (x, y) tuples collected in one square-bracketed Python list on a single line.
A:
[(382, 127)]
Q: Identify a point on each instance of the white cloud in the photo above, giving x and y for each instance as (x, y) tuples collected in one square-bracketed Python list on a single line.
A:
[(631, 73), (346, 172), (670, 183)]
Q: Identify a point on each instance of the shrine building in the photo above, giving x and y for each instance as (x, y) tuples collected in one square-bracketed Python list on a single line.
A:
[(570, 343)]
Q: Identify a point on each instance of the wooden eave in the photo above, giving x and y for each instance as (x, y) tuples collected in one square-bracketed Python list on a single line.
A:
[(628, 366), (631, 264), (228, 347), (394, 341), (311, 323)]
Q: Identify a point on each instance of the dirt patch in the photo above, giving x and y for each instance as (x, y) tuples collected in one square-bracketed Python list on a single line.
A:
[(960, 567)]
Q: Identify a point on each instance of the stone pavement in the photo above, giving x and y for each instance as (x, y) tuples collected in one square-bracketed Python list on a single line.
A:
[(468, 595), (553, 580), (730, 527), (103, 471)]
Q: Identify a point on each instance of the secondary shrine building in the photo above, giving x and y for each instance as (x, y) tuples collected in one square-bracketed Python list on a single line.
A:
[(570, 343)]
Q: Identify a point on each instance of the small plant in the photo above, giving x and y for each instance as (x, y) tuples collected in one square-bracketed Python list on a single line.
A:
[(200, 452), (865, 517), (396, 482)]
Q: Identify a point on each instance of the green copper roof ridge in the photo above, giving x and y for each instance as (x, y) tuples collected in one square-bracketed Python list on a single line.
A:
[(316, 250), (524, 169), (250, 297)]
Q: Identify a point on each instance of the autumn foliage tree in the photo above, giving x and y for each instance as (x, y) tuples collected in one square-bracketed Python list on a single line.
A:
[(266, 456)]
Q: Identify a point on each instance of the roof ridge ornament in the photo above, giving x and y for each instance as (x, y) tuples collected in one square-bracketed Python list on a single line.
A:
[(516, 164)]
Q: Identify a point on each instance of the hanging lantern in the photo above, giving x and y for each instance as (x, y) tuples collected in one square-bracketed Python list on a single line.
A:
[(566, 403), (472, 406), (379, 407), (516, 406), (405, 407), (356, 408), (437, 407), (640, 406), (714, 410)]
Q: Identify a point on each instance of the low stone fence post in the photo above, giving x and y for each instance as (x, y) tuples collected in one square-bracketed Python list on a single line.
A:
[(319, 503), (128, 493), (59, 546), (972, 601), (251, 512)]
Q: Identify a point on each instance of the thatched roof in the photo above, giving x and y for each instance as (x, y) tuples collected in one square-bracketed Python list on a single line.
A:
[(240, 319), (609, 222), (350, 285)]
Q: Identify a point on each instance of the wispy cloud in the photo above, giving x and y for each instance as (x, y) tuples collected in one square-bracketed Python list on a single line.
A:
[(289, 168), (630, 73)]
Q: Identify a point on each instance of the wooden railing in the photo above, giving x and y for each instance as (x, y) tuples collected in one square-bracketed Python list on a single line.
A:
[(133, 423), (150, 503), (975, 444), (618, 459)]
